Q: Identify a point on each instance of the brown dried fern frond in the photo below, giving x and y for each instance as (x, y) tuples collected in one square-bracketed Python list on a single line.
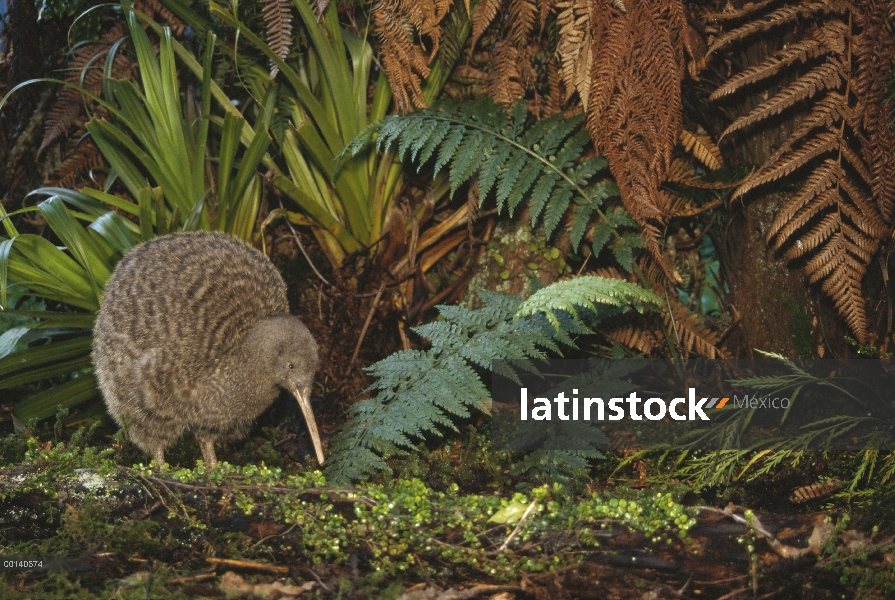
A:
[(645, 338), (676, 205), (701, 147), (409, 33), (159, 13), (829, 38), (79, 160), (783, 16), (831, 109), (634, 109), (675, 320), (733, 14), (511, 74), (828, 76), (575, 45), (876, 63), (510, 71), (62, 116), (790, 162), (834, 224), (683, 173), (85, 69), (673, 203), (278, 20), (522, 17), (692, 335), (555, 94), (483, 17)]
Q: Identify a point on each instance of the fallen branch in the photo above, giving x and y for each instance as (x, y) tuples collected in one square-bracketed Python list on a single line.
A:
[(779, 547)]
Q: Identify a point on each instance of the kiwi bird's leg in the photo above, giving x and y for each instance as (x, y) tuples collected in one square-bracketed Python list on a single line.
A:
[(305, 405), (159, 456), (207, 446)]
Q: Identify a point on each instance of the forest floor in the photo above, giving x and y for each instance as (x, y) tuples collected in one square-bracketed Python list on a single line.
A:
[(131, 533)]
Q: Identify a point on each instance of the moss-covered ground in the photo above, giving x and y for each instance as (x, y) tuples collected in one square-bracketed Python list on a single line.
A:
[(446, 522)]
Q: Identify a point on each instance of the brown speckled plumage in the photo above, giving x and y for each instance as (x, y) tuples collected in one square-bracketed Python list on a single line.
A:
[(195, 333)]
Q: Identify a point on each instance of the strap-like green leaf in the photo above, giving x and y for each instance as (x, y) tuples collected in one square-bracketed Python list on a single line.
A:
[(17, 368), (66, 395)]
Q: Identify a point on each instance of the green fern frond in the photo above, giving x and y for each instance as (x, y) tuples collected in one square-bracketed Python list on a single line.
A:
[(564, 450), (515, 158), (420, 393), (431, 144), (586, 292)]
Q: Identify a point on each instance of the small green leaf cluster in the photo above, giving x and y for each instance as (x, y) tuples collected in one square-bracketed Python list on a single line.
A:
[(405, 525), (657, 516), (402, 526), (751, 536), (859, 570), (470, 462), (410, 526), (541, 256)]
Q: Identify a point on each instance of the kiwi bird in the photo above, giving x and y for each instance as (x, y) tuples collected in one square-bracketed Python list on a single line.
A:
[(194, 332)]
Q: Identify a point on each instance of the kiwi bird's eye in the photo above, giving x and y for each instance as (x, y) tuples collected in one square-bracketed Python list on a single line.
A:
[(291, 366)]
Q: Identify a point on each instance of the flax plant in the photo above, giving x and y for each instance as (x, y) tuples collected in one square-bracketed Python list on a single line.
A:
[(159, 150), (326, 94)]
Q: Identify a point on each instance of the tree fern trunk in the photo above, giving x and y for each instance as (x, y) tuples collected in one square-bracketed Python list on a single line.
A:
[(774, 305)]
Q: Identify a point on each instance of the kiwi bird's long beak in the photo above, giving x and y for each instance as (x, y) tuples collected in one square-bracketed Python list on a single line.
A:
[(305, 404)]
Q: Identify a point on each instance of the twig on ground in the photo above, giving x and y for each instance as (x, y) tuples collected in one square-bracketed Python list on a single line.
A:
[(363, 331), (301, 246), (248, 564), (192, 578), (507, 541)]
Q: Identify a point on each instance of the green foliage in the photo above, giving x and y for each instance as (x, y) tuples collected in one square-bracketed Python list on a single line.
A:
[(17, 329), (321, 105), (53, 9), (736, 449), (470, 462), (158, 149), (406, 524), (75, 278), (422, 392), (856, 564), (87, 24), (516, 158), (407, 517), (584, 292), (564, 452), (151, 134), (48, 464)]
